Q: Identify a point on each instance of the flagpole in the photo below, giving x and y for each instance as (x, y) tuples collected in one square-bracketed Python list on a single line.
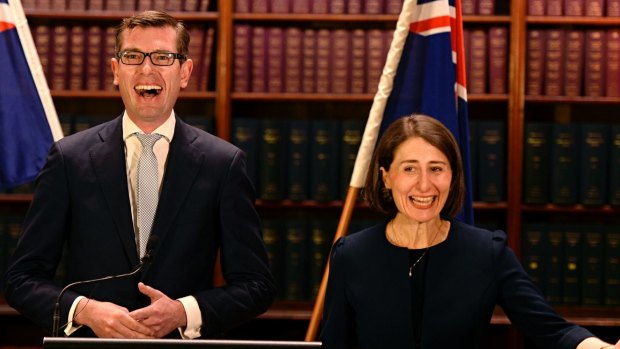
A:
[(32, 57), (367, 146)]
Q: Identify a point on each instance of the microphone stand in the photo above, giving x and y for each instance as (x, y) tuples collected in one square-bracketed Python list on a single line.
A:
[(148, 256)]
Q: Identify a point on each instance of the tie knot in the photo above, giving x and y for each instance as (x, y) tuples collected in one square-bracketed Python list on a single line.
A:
[(148, 140)]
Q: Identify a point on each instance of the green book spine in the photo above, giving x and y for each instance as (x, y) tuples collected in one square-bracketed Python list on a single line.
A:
[(564, 162), (272, 157), (321, 235), (296, 260), (473, 157), (536, 163), (611, 266), (350, 139), (534, 248), (245, 135), (298, 160), (324, 149), (572, 265), (273, 239), (554, 263), (491, 161), (614, 177), (594, 162), (592, 265)]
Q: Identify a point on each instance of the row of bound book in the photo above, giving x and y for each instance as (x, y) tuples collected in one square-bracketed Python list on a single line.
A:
[(574, 264), (77, 57), (319, 6), (298, 249), (478, 7), (299, 159), (294, 59), (573, 62), (116, 5), (569, 163), (593, 8)]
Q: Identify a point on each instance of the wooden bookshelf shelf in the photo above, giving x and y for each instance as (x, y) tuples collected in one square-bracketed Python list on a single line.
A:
[(573, 20), (572, 100)]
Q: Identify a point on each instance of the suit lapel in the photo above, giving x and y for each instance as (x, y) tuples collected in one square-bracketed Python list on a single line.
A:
[(184, 162), (108, 159)]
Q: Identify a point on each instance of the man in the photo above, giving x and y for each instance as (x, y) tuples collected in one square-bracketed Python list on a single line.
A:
[(89, 198)]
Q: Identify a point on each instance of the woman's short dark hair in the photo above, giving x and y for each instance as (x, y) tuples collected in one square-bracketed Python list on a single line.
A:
[(436, 134), (154, 19)]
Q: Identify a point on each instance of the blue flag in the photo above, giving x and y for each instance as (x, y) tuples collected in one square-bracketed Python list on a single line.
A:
[(424, 73), (25, 132)]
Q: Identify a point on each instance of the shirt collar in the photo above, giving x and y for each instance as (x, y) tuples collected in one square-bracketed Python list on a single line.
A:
[(166, 129)]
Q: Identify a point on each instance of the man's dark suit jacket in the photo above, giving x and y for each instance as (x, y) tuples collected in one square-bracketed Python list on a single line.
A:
[(368, 299), (82, 200)]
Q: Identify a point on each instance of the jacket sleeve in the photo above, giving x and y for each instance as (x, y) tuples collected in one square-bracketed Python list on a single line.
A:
[(249, 289), (337, 327), (526, 306)]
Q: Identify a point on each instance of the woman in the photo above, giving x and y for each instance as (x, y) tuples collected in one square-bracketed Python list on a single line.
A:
[(422, 279)]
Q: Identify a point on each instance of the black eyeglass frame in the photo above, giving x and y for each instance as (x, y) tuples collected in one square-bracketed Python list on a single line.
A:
[(181, 57)]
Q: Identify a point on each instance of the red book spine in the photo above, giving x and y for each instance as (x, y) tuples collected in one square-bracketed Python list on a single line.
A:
[(594, 63), (393, 6), (59, 59), (280, 6), (478, 62), (259, 6), (498, 59), (95, 5), (275, 59), (242, 6), (143, 5), (196, 45), (204, 5), (535, 62), (241, 64), (486, 7), (308, 60), (573, 68), (300, 6), (358, 61), (354, 6), (95, 60), (613, 63), (574, 7), (41, 38), (320, 6), (337, 6), (323, 63), (340, 61), (109, 49), (207, 59), (191, 5), (554, 62), (594, 8), (554, 8), (374, 59), (468, 7), (373, 7), (536, 7), (293, 61), (258, 53), (613, 8)]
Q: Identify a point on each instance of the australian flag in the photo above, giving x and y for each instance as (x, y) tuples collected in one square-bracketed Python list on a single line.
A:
[(27, 127), (424, 73)]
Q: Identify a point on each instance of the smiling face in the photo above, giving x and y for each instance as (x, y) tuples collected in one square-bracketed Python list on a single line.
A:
[(149, 92), (419, 178)]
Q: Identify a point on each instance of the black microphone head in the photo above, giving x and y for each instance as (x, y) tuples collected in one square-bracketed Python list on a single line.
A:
[(151, 245)]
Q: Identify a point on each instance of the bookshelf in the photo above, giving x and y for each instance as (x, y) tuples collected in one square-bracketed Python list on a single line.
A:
[(221, 102)]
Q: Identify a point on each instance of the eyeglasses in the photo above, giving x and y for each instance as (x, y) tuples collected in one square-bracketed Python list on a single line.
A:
[(157, 58)]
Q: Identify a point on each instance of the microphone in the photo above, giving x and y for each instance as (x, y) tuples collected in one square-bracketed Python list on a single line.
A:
[(151, 245)]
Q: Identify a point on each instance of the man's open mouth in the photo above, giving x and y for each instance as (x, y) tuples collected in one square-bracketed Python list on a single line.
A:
[(148, 90)]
